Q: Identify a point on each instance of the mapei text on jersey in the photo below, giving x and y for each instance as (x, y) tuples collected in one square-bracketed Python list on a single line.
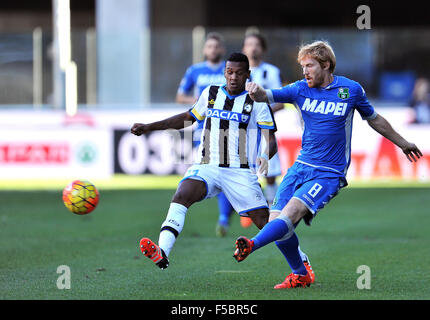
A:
[(325, 107)]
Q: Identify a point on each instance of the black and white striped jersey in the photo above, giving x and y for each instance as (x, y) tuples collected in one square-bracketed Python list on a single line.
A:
[(266, 75), (231, 134)]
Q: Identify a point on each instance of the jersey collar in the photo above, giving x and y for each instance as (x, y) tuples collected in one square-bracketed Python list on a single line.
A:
[(332, 84), (232, 97)]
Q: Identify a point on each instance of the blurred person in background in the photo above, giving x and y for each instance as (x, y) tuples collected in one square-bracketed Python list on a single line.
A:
[(420, 101), (269, 77), (200, 75)]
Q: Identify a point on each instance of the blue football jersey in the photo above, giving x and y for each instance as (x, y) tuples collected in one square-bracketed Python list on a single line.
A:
[(327, 115), (199, 76)]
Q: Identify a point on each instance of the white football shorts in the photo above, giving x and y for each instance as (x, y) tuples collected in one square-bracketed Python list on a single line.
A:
[(240, 186)]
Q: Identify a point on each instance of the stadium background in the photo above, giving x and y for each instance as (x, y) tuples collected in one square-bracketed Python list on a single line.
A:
[(66, 115)]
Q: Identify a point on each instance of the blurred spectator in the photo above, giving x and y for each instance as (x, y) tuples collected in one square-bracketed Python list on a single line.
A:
[(269, 77), (200, 75), (420, 101)]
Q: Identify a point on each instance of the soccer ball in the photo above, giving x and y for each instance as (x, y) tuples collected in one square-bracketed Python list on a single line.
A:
[(80, 197)]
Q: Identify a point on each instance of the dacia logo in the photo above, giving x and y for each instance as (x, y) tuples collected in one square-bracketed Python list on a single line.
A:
[(228, 115), (343, 93)]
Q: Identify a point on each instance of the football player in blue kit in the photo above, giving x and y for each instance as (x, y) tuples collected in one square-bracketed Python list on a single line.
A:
[(326, 103)]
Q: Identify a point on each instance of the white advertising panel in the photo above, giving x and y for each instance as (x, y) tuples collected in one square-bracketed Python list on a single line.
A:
[(98, 143), (67, 152)]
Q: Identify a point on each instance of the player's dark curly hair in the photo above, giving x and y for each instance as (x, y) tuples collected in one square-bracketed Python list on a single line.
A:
[(239, 57)]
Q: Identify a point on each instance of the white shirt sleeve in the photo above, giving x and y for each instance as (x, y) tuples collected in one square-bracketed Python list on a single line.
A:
[(199, 109), (264, 116)]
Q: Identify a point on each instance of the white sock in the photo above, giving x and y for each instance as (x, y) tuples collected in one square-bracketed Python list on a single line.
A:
[(270, 192), (172, 226)]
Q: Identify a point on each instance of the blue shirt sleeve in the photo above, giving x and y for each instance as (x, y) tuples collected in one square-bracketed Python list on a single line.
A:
[(287, 94), (187, 82), (362, 105)]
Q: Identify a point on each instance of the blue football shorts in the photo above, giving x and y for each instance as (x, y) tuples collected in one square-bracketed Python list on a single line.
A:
[(313, 186)]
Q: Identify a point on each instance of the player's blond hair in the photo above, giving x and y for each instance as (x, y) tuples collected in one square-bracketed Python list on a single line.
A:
[(321, 51)]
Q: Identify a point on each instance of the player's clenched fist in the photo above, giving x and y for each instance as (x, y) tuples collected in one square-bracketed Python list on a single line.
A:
[(256, 92), (139, 129)]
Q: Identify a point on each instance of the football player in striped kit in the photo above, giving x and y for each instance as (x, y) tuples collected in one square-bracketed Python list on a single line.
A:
[(235, 128), (197, 77)]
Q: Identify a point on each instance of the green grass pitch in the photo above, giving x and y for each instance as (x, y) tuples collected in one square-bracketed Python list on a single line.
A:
[(387, 229)]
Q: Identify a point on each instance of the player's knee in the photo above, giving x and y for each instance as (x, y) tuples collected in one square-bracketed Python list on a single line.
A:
[(260, 217), (184, 198), (274, 215), (189, 192), (295, 210)]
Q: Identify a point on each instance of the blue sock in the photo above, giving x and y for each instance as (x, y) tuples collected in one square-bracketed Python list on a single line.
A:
[(225, 210), (290, 250), (272, 231)]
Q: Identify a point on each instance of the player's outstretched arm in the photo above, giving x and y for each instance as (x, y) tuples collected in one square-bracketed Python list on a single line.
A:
[(177, 122), (256, 92), (383, 127)]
